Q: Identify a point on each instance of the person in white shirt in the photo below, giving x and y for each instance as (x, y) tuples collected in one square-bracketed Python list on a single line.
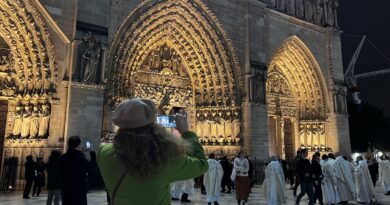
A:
[(364, 186), (241, 168), (384, 174), (328, 182), (212, 180), (343, 175), (274, 184)]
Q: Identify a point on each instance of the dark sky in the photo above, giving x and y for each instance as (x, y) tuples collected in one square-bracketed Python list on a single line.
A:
[(370, 18)]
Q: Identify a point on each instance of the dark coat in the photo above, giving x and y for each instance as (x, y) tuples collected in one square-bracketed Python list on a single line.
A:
[(29, 170), (53, 175), (40, 174), (317, 171), (304, 170), (74, 169), (227, 169)]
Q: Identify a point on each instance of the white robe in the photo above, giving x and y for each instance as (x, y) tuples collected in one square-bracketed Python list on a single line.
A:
[(343, 175), (185, 186), (212, 180), (274, 185), (384, 174), (328, 183), (365, 187)]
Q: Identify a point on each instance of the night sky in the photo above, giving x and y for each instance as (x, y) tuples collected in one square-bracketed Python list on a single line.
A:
[(370, 18)]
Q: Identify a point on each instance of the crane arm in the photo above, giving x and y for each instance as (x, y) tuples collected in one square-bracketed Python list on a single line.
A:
[(371, 74)]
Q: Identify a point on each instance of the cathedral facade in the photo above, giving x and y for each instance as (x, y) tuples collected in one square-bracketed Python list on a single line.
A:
[(261, 76)]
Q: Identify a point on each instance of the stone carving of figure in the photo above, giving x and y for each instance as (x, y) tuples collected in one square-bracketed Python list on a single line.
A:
[(18, 119), (90, 59), (321, 132), (290, 7), (26, 123), (271, 3), (257, 86), (315, 134), (309, 10), (44, 120), (299, 8), (340, 97), (302, 134), (34, 125), (331, 12), (308, 135), (281, 5), (236, 129), (319, 15), (9, 85)]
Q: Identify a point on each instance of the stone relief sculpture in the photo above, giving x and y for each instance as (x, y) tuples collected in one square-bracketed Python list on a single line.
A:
[(308, 133), (34, 126), (321, 132), (308, 10), (281, 5), (44, 120), (290, 7), (18, 121), (26, 123), (319, 12), (257, 86), (90, 59), (300, 8), (302, 137)]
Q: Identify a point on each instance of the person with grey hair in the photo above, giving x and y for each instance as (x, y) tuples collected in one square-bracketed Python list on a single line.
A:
[(274, 183)]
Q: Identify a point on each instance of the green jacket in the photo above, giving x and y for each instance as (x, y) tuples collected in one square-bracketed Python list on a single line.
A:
[(154, 190)]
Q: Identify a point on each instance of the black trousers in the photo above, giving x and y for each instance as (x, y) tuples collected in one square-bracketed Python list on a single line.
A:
[(226, 182), (306, 188), (296, 185), (27, 188), (318, 193)]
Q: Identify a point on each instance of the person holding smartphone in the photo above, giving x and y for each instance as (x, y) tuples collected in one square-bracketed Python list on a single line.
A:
[(145, 158)]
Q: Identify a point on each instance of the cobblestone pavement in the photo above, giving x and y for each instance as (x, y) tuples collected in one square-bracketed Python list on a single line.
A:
[(99, 198)]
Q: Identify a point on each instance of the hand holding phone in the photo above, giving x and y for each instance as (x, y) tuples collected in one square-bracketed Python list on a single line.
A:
[(181, 123)]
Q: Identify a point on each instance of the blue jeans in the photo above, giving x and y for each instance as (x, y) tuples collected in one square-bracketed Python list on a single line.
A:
[(306, 187)]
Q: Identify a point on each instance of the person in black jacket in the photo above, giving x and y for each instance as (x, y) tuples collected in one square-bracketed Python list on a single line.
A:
[(29, 175), (74, 169), (53, 178), (305, 174), (297, 158), (39, 179), (317, 178), (227, 171)]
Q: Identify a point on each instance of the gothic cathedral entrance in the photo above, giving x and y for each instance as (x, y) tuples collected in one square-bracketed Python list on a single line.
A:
[(296, 101)]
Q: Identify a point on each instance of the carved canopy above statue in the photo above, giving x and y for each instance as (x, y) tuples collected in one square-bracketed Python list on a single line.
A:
[(175, 38), (27, 56)]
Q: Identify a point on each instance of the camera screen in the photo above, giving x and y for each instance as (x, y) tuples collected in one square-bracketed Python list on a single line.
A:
[(88, 144), (166, 121)]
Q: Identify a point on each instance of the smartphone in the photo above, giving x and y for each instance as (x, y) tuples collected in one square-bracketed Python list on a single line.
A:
[(88, 144), (166, 120)]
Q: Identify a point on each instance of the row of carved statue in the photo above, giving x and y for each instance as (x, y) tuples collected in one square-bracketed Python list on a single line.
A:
[(320, 12), (31, 121), (312, 134)]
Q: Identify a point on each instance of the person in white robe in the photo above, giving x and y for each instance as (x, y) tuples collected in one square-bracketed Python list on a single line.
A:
[(212, 180), (343, 175), (274, 186), (184, 188), (364, 186), (384, 174), (328, 183)]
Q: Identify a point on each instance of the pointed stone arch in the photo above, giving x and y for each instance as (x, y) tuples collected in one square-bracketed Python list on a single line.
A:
[(297, 94), (189, 28)]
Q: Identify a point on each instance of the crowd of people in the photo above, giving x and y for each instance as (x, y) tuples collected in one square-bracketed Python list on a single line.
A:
[(146, 164), (327, 179)]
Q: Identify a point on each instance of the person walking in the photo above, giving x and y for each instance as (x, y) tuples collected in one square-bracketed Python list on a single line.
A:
[(227, 171), (305, 174), (74, 169), (296, 159), (29, 174), (330, 195), (212, 180), (53, 178), (241, 166), (144, 158), (384, 174), (274, 183), (39, 179), (364, 186), (317, 178)]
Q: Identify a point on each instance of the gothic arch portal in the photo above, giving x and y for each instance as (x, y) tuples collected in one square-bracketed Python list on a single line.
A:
[(296, 99), (176, 53)]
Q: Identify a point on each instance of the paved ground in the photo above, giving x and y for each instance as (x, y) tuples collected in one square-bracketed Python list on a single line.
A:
[(99, 197)]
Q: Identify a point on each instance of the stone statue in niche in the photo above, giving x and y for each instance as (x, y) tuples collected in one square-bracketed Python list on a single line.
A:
[(26, 123), (44, 118), (281, 5), (319, 12), (18, 120), (90, 59), (34, 126), (308, 10), (302, 134), (331, 12), (272, 3), (290, 7), (299, 8), (257, 86), (340, 102)]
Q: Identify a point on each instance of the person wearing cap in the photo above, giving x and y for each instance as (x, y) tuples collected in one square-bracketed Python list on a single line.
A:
[(144, 158)]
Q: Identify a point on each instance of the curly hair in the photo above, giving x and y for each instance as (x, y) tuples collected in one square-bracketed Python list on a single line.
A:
[(145, 150)]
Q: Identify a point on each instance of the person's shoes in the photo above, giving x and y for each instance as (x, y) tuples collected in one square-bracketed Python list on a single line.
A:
[(184, 198), (215, 203), (387, 193), (175, 199), (208, 203), (228, 192), (26, 197)]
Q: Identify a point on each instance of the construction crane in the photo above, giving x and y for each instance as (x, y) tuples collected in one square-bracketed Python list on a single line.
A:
[(351, 78)]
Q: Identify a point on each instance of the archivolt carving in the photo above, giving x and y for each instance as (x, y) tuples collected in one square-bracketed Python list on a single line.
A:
[(301, 75), (202, 51), (28, 64)]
